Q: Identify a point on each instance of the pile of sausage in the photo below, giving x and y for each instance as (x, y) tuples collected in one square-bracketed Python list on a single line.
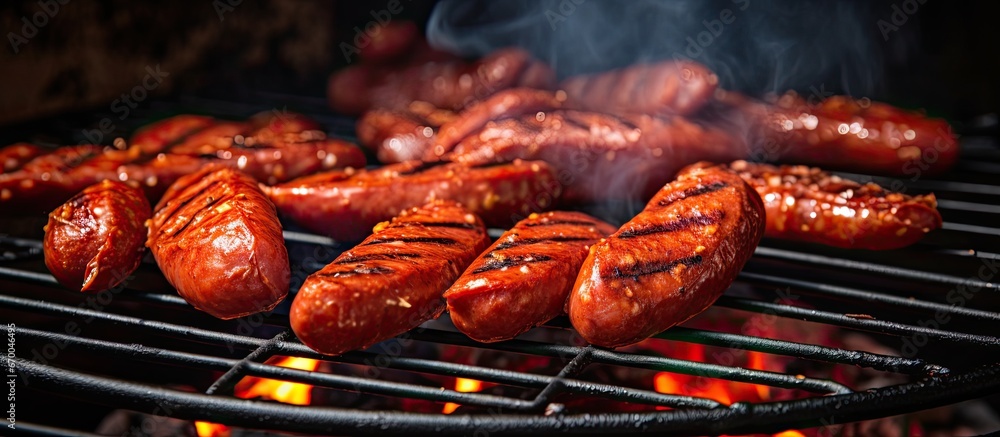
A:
[(465, 145)]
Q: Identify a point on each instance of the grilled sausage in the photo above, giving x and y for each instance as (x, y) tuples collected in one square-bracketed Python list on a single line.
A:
[(524, 278), (808, 204), (504, 104), (157, 137), (449, 84), (666, 88), (96, 239), (218, 241), (601, 156), (397, 135), (389, 283), (390, 41), (842, 133), (269, 148), (16, 155), (345, 205), (671, 261)]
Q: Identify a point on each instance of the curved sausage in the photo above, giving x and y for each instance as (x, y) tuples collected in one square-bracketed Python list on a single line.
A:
[(96, 240), (397, 135), (448, 84), (524, 278), (157, 137), (601, 156), (16, 155), (218, 241), (666, 88), (671, 261), (347, 204), (808, 204), (842, 133), (390, 41), (389, 283)]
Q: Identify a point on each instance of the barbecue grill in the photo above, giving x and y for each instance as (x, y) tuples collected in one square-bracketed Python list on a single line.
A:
[(143, 348)]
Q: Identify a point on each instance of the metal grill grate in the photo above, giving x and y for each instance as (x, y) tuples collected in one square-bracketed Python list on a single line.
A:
[(891, 296)]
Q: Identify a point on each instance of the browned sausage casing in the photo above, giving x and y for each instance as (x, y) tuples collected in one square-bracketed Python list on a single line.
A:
[(667, 87), (389, 283), (347, 204), (808, 204), (523, 279), (96, 239), (12, 157), (671, 261), (217, 239)]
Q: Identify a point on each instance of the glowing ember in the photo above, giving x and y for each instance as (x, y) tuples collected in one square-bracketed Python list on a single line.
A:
[(463, 385), (789, 434), (252, 387), (209, 429), (283, 391)]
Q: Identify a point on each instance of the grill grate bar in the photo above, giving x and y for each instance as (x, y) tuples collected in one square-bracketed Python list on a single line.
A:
[(868, 296), (227, 382), (968, 206), (887, 363), (883, 269), (972, 229), (663, 364), (860, 323)]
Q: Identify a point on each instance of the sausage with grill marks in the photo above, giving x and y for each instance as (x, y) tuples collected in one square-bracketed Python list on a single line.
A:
[(397, 135), (218, 241), (347, 204), (389, 283), (808, 204), (671, 261), (96, 239), (157, 137), (523, 279)]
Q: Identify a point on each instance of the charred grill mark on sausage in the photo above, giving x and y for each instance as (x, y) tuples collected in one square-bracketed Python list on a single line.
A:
[(204, 210), (495, 262), (639, 269), (527, 241), (456, 225), (359, 270), (376, 257), (560, 222), (431, 240), (184, 203), (693, 192), (680, 224)]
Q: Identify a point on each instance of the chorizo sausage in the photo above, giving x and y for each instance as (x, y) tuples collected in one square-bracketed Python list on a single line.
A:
[(347, 204), (524, 278), (15, 155), (670, 262), (218, 241), (389, 283), (808, 204), (664, 88), (96, 239)]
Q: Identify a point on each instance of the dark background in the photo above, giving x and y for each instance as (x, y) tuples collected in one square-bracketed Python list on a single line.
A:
[(943, 58)]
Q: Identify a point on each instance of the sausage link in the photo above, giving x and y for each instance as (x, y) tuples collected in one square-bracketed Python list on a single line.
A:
[(389, 283), (14, 156), (665, 88), (96, 240), (218, 241), (808, 204), (347, 204), (670, 262), (157, 137), (524, 278)]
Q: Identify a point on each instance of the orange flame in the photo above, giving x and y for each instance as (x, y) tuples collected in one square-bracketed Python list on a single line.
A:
[(209, 429), (254, 387), (463, 385), (294, 393), (789, 433)]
